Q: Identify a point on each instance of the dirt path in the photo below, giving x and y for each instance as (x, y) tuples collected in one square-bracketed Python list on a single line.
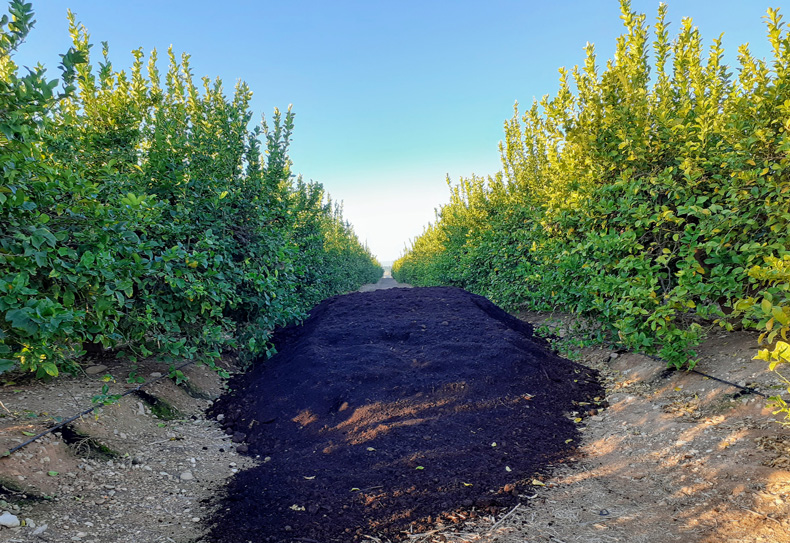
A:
[(385, 282), (676, 457)]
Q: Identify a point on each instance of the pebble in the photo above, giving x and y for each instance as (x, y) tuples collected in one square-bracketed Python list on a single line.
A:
[(94, 370), (8, 520), (186, 476), (41, 529), (155, 374)]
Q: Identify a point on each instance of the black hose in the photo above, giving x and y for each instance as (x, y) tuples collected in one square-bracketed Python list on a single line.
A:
[(63, 423)]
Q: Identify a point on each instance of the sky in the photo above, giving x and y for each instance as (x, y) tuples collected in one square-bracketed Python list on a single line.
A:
[(390, 97)]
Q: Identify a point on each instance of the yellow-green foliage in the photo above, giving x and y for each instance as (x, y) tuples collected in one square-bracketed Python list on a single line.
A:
[(769, 312), (641, 194)]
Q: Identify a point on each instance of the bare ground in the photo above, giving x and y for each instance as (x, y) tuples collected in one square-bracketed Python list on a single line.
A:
[(675, 457)]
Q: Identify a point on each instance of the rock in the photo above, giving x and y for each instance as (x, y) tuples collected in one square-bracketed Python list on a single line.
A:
[(8, 520), (186, 476), (40, 530), (613, 356), (238, 437), (95, 370), (155, 374), (242, 448)]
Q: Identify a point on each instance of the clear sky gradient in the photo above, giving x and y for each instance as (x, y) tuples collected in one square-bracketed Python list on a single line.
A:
[(390, 97)]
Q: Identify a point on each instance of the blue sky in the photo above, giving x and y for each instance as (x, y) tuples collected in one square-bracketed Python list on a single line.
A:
[(389, 97)]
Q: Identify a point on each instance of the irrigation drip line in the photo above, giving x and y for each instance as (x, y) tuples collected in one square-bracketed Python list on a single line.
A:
[(63, 423), (745, 389)]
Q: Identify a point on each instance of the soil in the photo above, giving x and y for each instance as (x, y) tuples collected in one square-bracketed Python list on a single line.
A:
[(386, 411), (675, 457)]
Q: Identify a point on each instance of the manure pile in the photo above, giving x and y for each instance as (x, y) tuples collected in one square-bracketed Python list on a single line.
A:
[(386, 411)]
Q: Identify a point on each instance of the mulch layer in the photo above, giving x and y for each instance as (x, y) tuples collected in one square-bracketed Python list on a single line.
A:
[(388, 411)]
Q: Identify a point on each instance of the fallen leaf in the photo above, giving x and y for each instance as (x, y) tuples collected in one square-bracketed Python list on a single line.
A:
[(355, 489), (466, 484), (295, 507), (419, 467), (535, 482), (577, 419), (27, 433), (568, 441), (52, 473), (371, 449), (309, 478), (493, 444), (507, 469)]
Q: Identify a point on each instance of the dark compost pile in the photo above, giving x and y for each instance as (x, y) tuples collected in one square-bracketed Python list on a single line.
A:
[(388, 410)]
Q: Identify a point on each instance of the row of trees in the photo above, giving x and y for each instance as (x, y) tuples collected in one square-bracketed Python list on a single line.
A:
[(650, 194), (139, 211)]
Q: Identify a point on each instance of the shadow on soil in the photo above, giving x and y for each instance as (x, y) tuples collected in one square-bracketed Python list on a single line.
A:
[(389, 410)]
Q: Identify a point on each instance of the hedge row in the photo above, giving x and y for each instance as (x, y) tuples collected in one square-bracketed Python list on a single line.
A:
[(640, 195), (144, 215)]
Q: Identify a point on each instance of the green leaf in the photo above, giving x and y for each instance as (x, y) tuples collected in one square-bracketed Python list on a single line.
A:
[(87, 259), (21, 320)]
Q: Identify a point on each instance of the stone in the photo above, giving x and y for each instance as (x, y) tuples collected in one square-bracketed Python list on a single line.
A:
[(40, 530), (186, 476), (238, 437), (8, 520), (95, 370)]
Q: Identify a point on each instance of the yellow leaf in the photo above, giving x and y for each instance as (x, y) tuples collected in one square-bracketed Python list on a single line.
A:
[(466, 484), (535, 482), (568, 441), (309, 478)]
